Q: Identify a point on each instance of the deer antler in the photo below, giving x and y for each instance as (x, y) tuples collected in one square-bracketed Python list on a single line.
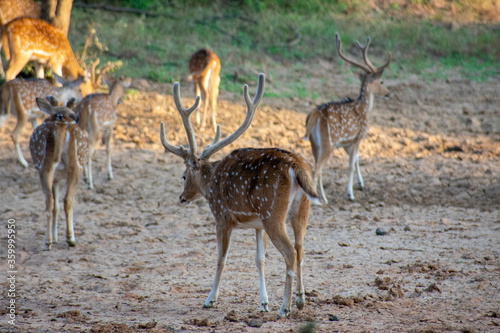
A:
[(367, 61), (364, 49), (181, 151), (352, 62), (217, 145)]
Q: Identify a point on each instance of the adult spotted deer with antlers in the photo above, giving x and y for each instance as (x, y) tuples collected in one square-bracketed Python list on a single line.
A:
[(345, 123), (18, 97), (97, 113), (25, 39), (59, 149), (204, 67), (249, 188)]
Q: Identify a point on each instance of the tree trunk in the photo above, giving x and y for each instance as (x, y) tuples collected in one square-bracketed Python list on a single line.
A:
[(57, 13)]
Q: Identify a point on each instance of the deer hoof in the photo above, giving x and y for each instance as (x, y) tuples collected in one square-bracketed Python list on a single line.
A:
[(264, 307), (208, 304), (47, 247), (71, 242)]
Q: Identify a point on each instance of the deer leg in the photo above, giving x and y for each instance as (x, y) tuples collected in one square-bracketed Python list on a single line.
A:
[(40, 70), (353, 153), (46, 180), (3, 117), (204, 98), (280, 239), (72, 183), (223, 241), (93, 142), (55, 212), (214, 93), (16, 64), (260, 258), (22, 119), (361, 185), (197, 93), (299, 225), (107, 138), (321, 152)]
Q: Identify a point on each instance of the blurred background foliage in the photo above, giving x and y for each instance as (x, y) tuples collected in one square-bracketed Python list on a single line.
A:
[(428, 38)]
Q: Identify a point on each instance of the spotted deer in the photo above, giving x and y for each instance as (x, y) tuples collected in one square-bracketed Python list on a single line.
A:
[(97, 113), (204, 67), (345, 123), (25, 39), (18, 97), (249, 188), (59, 149), (12, 9)]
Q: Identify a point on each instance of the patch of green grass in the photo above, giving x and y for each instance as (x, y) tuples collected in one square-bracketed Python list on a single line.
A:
[(276, 34)]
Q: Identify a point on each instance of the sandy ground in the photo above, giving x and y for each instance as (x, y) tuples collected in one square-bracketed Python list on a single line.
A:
[(143, 262)]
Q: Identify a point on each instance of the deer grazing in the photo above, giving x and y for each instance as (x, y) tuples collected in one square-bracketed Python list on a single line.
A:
[(345, 123), (59, 149), (26, 39), (204, 67), (249, 188), (97, 113), (18, 97)]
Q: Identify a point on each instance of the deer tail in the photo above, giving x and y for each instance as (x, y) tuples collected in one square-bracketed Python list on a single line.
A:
[(310, 121), (306, 182)]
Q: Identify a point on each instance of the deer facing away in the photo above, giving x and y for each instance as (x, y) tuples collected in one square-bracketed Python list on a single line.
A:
[(97, 113), (18, 97), (204, 67), (345, 123), (25, 39), (249, 188), (59, 149)]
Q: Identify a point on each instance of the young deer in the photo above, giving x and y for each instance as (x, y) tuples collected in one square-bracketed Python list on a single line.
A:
[(345, 123), (59, 149), (18, 97), (204, 67), (12, 9), (249, 188), (26, 39), (97, 113)]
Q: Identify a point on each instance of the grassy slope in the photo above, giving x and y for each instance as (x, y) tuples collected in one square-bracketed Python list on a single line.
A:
[(249, 40)]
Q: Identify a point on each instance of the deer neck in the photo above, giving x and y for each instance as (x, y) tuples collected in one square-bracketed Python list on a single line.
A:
[(208, 175), (117, 91), (366, 95)]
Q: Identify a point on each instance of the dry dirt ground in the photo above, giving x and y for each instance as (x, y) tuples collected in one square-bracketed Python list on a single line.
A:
[(144, 263)]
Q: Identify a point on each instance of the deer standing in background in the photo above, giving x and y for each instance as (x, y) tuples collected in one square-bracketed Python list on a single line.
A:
[(26, 39), (250, 188), (12, 9), (97, 113), (18, 97), (345, 123), (204, 67), (59, 149)]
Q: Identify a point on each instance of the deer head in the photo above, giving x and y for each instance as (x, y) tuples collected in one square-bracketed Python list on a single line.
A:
[(194, 181), (372, 75)]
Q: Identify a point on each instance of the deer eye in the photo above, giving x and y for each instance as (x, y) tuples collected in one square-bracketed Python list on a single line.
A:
[(382, 82), (183, 177)]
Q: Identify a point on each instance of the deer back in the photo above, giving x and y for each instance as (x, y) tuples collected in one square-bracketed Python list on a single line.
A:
[(203, 61), (12, 9), (250, 183), (95, 111), (26, 91), (45, 44), (59, 140)]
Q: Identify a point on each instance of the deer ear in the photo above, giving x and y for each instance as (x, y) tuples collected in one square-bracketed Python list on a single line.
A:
[(194, 162), (44, 105)]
